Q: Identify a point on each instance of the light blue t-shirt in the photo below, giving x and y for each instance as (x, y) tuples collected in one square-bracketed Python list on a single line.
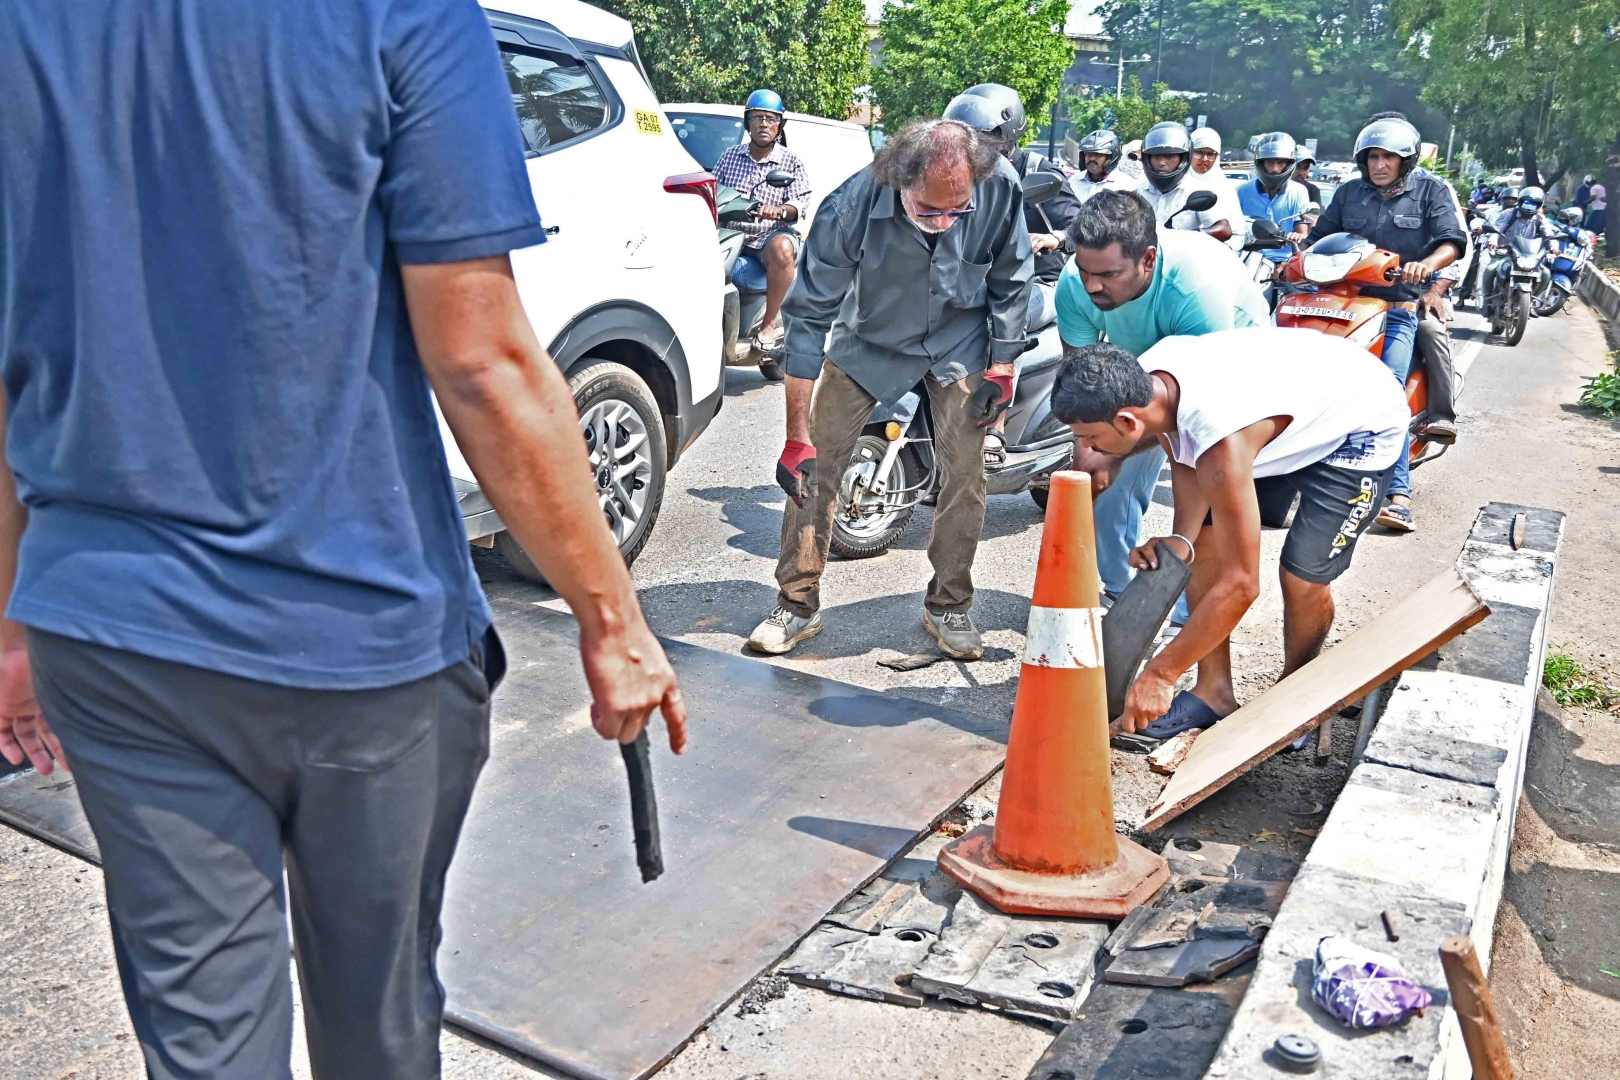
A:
[(1283, 211), (1199, 286), (218, 418)]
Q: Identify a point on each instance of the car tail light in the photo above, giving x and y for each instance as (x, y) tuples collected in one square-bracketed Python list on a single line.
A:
[(702, 185)]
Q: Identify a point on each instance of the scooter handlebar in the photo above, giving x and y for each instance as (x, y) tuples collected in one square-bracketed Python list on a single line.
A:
[(1394, 273)]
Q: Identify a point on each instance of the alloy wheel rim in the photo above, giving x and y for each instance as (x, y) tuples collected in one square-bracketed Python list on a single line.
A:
[(619, 449)]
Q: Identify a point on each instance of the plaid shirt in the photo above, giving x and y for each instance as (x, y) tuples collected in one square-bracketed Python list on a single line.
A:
[(738, 170)]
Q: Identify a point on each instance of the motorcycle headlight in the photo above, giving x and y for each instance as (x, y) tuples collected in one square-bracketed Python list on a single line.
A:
[(1527, 262)]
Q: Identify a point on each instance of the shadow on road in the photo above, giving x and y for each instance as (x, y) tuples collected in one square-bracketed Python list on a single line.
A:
[(879, 840)]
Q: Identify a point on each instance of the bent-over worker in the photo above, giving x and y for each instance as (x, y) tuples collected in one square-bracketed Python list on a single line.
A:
[(1250, 419), (918, 266)]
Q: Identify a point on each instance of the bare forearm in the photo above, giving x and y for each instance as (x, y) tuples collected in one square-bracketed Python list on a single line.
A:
[(798, 393), (1210, 623)]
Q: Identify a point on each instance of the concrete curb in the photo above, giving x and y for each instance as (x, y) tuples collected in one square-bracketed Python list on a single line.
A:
[(1422, 828), (1599, 290)]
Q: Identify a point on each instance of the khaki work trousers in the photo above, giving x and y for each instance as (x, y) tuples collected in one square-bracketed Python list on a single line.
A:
[(837, 414)]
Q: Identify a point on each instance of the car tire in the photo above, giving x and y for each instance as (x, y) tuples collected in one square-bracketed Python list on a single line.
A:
[(617, 410), (1040, 495)]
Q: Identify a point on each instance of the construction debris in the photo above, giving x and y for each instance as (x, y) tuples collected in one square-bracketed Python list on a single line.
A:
[(1169, 755)]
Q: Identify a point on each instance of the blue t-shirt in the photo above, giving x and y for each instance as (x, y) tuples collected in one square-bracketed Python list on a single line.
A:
[(1283, 211), (1199, 286), (217, 416)]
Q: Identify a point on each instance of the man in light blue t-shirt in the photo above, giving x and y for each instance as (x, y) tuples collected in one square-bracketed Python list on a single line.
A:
[(1273, 194), (1136, 284)]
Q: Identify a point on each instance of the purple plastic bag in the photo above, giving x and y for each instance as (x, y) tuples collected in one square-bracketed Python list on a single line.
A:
[(1362, 988)]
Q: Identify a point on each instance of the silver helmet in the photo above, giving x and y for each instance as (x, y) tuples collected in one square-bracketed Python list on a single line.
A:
[(991, 108), (1275, 146), (1530, 200), (1166, 138), (1395, 136)]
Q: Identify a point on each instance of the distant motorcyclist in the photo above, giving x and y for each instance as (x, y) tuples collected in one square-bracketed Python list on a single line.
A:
[(998, 112), (1302, 177), (1415, 216), (1100, 155), (1131, 164), (1167, 165), (1524, 221), (1273, 194)]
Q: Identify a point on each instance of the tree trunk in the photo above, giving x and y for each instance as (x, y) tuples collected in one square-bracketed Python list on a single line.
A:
[(1611, 184), (1527, 159)]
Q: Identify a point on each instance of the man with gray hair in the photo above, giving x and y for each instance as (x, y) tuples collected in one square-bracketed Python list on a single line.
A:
[(918, 268)]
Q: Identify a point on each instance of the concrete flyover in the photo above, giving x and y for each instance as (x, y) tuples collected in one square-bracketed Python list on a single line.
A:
[(1423, 827)]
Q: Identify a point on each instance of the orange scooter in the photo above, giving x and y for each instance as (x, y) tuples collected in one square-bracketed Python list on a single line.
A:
[(1322, 291)]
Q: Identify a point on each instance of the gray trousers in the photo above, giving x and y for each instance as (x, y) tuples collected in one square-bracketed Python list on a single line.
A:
[(837, 414), (1434, 347), (201, 787)]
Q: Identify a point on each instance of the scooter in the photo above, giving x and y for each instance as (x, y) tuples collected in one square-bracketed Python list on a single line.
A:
[(1508, 282), (1322, 292), (742, 323), (1566, 259), (893, 467)]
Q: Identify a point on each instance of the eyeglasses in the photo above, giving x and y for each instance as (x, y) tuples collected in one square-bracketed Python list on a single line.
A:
[(765, 120), (968, 209)]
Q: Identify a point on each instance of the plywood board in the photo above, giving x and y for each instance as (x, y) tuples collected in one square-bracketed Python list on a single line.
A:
[(1413, 628)]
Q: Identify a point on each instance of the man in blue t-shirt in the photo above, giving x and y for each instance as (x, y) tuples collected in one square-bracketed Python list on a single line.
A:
[(241, 241), (1136, 284), (1273, 194)]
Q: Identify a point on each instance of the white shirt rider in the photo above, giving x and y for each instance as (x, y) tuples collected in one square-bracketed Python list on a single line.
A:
[(1167, 204)]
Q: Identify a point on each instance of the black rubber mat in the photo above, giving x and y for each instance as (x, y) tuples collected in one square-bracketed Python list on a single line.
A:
[(794, 791)]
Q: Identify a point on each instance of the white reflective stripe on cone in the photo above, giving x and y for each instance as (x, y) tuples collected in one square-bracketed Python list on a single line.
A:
[(1064, 637)]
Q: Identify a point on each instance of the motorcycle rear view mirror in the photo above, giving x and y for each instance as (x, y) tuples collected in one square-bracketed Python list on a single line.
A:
[(779, 178), (1041, 186), (1490, 229), (1311, 208), (1265, 229), (1199, 201)]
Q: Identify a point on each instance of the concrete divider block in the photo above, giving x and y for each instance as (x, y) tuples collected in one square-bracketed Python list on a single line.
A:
[(1501, 575), (1457, 727)]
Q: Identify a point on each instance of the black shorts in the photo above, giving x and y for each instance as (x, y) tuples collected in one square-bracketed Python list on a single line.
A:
[(1335, 507)]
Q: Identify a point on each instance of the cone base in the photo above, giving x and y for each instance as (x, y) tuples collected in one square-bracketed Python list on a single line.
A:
[(1109, 893)]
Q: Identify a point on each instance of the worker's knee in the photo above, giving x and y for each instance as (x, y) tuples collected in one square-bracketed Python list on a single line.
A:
[(779, 254), (1296, 590)]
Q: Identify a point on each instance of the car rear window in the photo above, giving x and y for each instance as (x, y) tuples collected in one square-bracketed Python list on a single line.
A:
[(705, 136), (556, 98)]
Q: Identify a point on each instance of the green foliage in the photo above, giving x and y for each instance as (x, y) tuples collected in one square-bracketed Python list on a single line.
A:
[(1602, 391), (1531, 81), (812, 52), (1130, 114), (1314, 68), (935, 49), (1571, 684)]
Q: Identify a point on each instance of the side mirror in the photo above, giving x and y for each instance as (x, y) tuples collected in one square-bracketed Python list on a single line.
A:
[(779, 178), (1264, 229), (1489, 229), (1041, 186), (1199, 201), (1311, 208)]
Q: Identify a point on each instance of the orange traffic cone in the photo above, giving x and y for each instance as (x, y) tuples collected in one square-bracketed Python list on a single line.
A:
[(1053, 849)]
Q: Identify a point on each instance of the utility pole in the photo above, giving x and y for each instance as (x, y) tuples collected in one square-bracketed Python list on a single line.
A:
[(1119, 79), (1158, 67), (1451, 135)]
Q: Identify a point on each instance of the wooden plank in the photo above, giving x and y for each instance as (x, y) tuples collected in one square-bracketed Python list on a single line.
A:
[(1407, 632)]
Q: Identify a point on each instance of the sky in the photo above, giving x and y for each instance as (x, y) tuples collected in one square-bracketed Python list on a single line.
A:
[(1082, 17)]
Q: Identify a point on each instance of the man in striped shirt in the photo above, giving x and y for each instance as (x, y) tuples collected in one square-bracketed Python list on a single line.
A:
[(772, 244)]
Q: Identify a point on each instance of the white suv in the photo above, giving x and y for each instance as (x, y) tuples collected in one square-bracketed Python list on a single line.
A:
[(628, 290)]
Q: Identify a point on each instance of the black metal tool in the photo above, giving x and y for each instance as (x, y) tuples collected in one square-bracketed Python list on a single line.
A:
[(643, 806)]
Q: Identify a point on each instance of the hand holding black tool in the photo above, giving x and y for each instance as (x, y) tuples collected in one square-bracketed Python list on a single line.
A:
[(643, 806)]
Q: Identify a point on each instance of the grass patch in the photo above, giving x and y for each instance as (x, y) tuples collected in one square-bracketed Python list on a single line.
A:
[(1602, 391), (1572, 685)]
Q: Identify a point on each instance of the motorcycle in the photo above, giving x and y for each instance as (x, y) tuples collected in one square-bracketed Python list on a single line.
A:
[(1322, 292), (1566, 259), (745, 307), (893, 467), (1508, 281)]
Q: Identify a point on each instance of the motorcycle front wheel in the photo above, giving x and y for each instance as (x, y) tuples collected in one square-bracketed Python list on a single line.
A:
[(866, 524), (1518, 317)]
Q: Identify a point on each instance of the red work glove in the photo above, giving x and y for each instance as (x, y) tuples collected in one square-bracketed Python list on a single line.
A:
[(796, 471), (991, 399)]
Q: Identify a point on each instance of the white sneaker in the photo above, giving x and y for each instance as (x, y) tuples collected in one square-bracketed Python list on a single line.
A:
[(782, 630), (957, 636)]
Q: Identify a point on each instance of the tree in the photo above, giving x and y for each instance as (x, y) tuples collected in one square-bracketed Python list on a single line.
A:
[(812, 52), (1129, 115), (935, 49)]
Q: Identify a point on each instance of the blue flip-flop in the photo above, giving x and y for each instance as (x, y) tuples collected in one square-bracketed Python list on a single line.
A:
[(1187, 712)]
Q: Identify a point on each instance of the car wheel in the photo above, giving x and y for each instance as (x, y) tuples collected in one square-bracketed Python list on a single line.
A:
[(624, 438), (1040, 496)]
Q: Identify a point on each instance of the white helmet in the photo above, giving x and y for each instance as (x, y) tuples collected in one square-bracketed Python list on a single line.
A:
[(1206, 138)]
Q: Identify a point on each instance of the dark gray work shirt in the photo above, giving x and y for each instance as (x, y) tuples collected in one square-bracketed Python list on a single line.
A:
[(1412, 223), (898, 308)]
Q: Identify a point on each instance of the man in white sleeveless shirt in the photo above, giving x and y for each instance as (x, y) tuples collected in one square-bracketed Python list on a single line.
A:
[(1250, 418)]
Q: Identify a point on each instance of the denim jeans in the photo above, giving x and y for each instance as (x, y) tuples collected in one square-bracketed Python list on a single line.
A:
[(1117, 518), (1400, 337)]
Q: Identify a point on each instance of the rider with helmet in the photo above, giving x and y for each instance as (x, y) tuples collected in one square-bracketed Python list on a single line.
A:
[(1302, 177), (771, 245), (1167, 166), (998, 111), (1273, 194), (1524, 221), (1100, 155), (1414, 215)]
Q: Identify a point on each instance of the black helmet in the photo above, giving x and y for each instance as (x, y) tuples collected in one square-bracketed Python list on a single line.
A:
[(992, 108), (1166, 138), (1530, 200), (1396, 136), (1275, 146), (1102, 142)]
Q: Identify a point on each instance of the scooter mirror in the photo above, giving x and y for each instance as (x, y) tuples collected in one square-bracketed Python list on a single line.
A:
[(779, 178), (1311, 208), (1041, 186), (1199, 201), (1265, 229), (1489, 229)]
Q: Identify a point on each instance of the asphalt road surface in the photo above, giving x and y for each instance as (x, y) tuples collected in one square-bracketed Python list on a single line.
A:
[(706, 578)]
